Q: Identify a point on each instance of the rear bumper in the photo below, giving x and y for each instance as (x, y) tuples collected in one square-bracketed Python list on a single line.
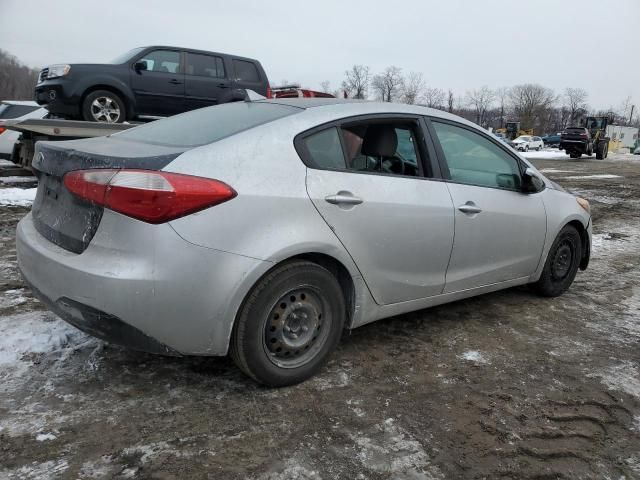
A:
[(140, 285)]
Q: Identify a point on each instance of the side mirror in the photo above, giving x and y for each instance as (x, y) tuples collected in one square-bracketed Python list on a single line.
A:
[(139, 66), (531, 182)]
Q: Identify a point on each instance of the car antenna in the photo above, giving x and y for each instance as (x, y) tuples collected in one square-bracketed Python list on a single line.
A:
[(251, 96)]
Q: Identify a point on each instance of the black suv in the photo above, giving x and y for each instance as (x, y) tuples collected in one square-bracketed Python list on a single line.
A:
[(148, 81)]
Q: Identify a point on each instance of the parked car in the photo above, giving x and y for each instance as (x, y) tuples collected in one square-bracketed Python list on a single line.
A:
[(15, 110), (265, 228), (294, 91), (524, 143), (576, 141), (148, 81), (551, 140)]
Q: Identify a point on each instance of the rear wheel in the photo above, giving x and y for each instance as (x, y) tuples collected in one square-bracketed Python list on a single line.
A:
[(290, 322), (562, 263), (103, 106), (575, 155)]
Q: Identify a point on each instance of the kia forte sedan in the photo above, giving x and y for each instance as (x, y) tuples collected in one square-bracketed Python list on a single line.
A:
[(264, 228)]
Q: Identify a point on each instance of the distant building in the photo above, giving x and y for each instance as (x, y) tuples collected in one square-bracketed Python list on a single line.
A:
[(627, 136)]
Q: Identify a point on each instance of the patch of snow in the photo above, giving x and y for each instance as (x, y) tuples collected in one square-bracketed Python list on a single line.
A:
[(101, 468), (151, 451), (636, 423), (624, 377), (390, 449), (7, 163), (37, 471), (22, 197), (293, 469), (554, 170), (331, 380), (545, 154), (12, 298), (21, 179), (474, 356), (43, 437), (598, 176)]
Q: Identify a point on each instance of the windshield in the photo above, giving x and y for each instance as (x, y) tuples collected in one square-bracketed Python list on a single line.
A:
[(126, 56), (523, 139), (208, 125)]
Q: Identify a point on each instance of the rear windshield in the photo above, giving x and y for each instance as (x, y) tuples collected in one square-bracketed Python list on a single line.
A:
[(14, 111), (207, 125)]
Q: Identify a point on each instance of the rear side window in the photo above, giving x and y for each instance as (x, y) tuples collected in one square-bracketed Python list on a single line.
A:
[(246, 71), (325, 149), (204, 65), (475, 160), (207, 125), (14, 111)]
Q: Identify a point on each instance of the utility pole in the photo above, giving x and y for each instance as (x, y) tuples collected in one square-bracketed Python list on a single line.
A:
[(631, 116)]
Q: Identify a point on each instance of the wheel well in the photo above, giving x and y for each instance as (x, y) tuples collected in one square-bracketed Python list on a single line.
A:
[(584, 239), (111, 89), (340, 272)]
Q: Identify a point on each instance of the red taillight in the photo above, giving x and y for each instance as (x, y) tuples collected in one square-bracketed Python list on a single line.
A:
[(150, 196), (269, 92), (2, 129)]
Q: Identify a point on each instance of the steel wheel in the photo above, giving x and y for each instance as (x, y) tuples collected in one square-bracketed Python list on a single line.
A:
[(296, 328), (105, 109), (562, 260)]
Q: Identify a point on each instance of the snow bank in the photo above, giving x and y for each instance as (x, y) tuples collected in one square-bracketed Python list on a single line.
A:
[(23, 197), (595, 177), (545, 155), (21, 179)]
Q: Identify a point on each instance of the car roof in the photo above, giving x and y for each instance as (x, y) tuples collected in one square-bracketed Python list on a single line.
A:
[(20, 102), (195, 50)]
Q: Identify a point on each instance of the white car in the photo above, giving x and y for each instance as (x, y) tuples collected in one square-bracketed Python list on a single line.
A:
[(524, 143), (16, 110)]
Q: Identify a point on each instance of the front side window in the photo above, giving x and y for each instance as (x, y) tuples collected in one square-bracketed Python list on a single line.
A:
[(475, 160), (246, 71), (386, 148), (204, 65), (166, 61)]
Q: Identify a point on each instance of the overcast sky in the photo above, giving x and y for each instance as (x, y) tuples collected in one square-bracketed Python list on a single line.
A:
[(592, 44)]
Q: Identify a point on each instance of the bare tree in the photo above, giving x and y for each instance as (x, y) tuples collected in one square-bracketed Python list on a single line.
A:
[(356, 83), (575, 101), (326, 86), (481, 100), (530, 102), (388, 84), (502, 94), (17, 81), (412, 88), (434, 97), (450, 101)]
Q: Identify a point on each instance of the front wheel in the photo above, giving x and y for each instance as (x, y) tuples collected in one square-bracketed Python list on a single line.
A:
[(103, 106), (562, 263), (288, 325)]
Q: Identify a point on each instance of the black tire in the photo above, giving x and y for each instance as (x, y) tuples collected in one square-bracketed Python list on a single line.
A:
[(112, 107), (575, 155), (269, 341), (602, 150), (562, 263)]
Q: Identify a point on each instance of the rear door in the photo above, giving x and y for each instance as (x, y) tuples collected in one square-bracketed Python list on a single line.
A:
[(374, 185), (499, 231), (159, 90), (206, 81)]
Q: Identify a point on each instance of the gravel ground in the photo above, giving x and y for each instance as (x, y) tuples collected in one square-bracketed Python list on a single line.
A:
[(506, 385)]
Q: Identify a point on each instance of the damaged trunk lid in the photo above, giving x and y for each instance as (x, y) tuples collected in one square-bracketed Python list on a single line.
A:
[(65, 219)]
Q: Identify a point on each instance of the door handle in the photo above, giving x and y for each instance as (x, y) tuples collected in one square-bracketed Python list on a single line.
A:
[(469, 208), (343, 199), (174, 81)]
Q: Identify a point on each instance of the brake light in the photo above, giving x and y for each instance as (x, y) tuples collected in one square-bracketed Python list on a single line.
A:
[(269, 92), (2, 130), (150, 196)]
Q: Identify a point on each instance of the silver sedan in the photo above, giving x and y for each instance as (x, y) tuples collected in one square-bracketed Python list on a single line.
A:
[(265, 228)]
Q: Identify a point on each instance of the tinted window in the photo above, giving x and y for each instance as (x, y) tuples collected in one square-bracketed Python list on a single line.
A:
[(14, 111), (207, 125), (476, 160), (246, 71), (325, 149), (167, 61), (204, 65)]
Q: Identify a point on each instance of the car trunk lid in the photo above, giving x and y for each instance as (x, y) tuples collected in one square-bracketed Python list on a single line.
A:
[(65, 219)]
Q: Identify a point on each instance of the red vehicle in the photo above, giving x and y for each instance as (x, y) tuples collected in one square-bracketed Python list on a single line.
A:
[(294, 91)]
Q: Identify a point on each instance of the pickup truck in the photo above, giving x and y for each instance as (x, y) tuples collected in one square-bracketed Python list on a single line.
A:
[(148, 81)]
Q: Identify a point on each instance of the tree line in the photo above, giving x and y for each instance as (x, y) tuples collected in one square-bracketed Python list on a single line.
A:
[(533, 105), (17, 80)]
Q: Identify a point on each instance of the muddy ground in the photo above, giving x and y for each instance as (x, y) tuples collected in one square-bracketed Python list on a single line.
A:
[(507, 385)]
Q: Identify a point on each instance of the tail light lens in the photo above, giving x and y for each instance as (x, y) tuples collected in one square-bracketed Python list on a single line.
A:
[(2, 130), (269, 92), (150, 196)]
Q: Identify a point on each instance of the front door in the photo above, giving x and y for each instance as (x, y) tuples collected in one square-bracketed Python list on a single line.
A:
[(499, 231), (369, 182), (159, 89)]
